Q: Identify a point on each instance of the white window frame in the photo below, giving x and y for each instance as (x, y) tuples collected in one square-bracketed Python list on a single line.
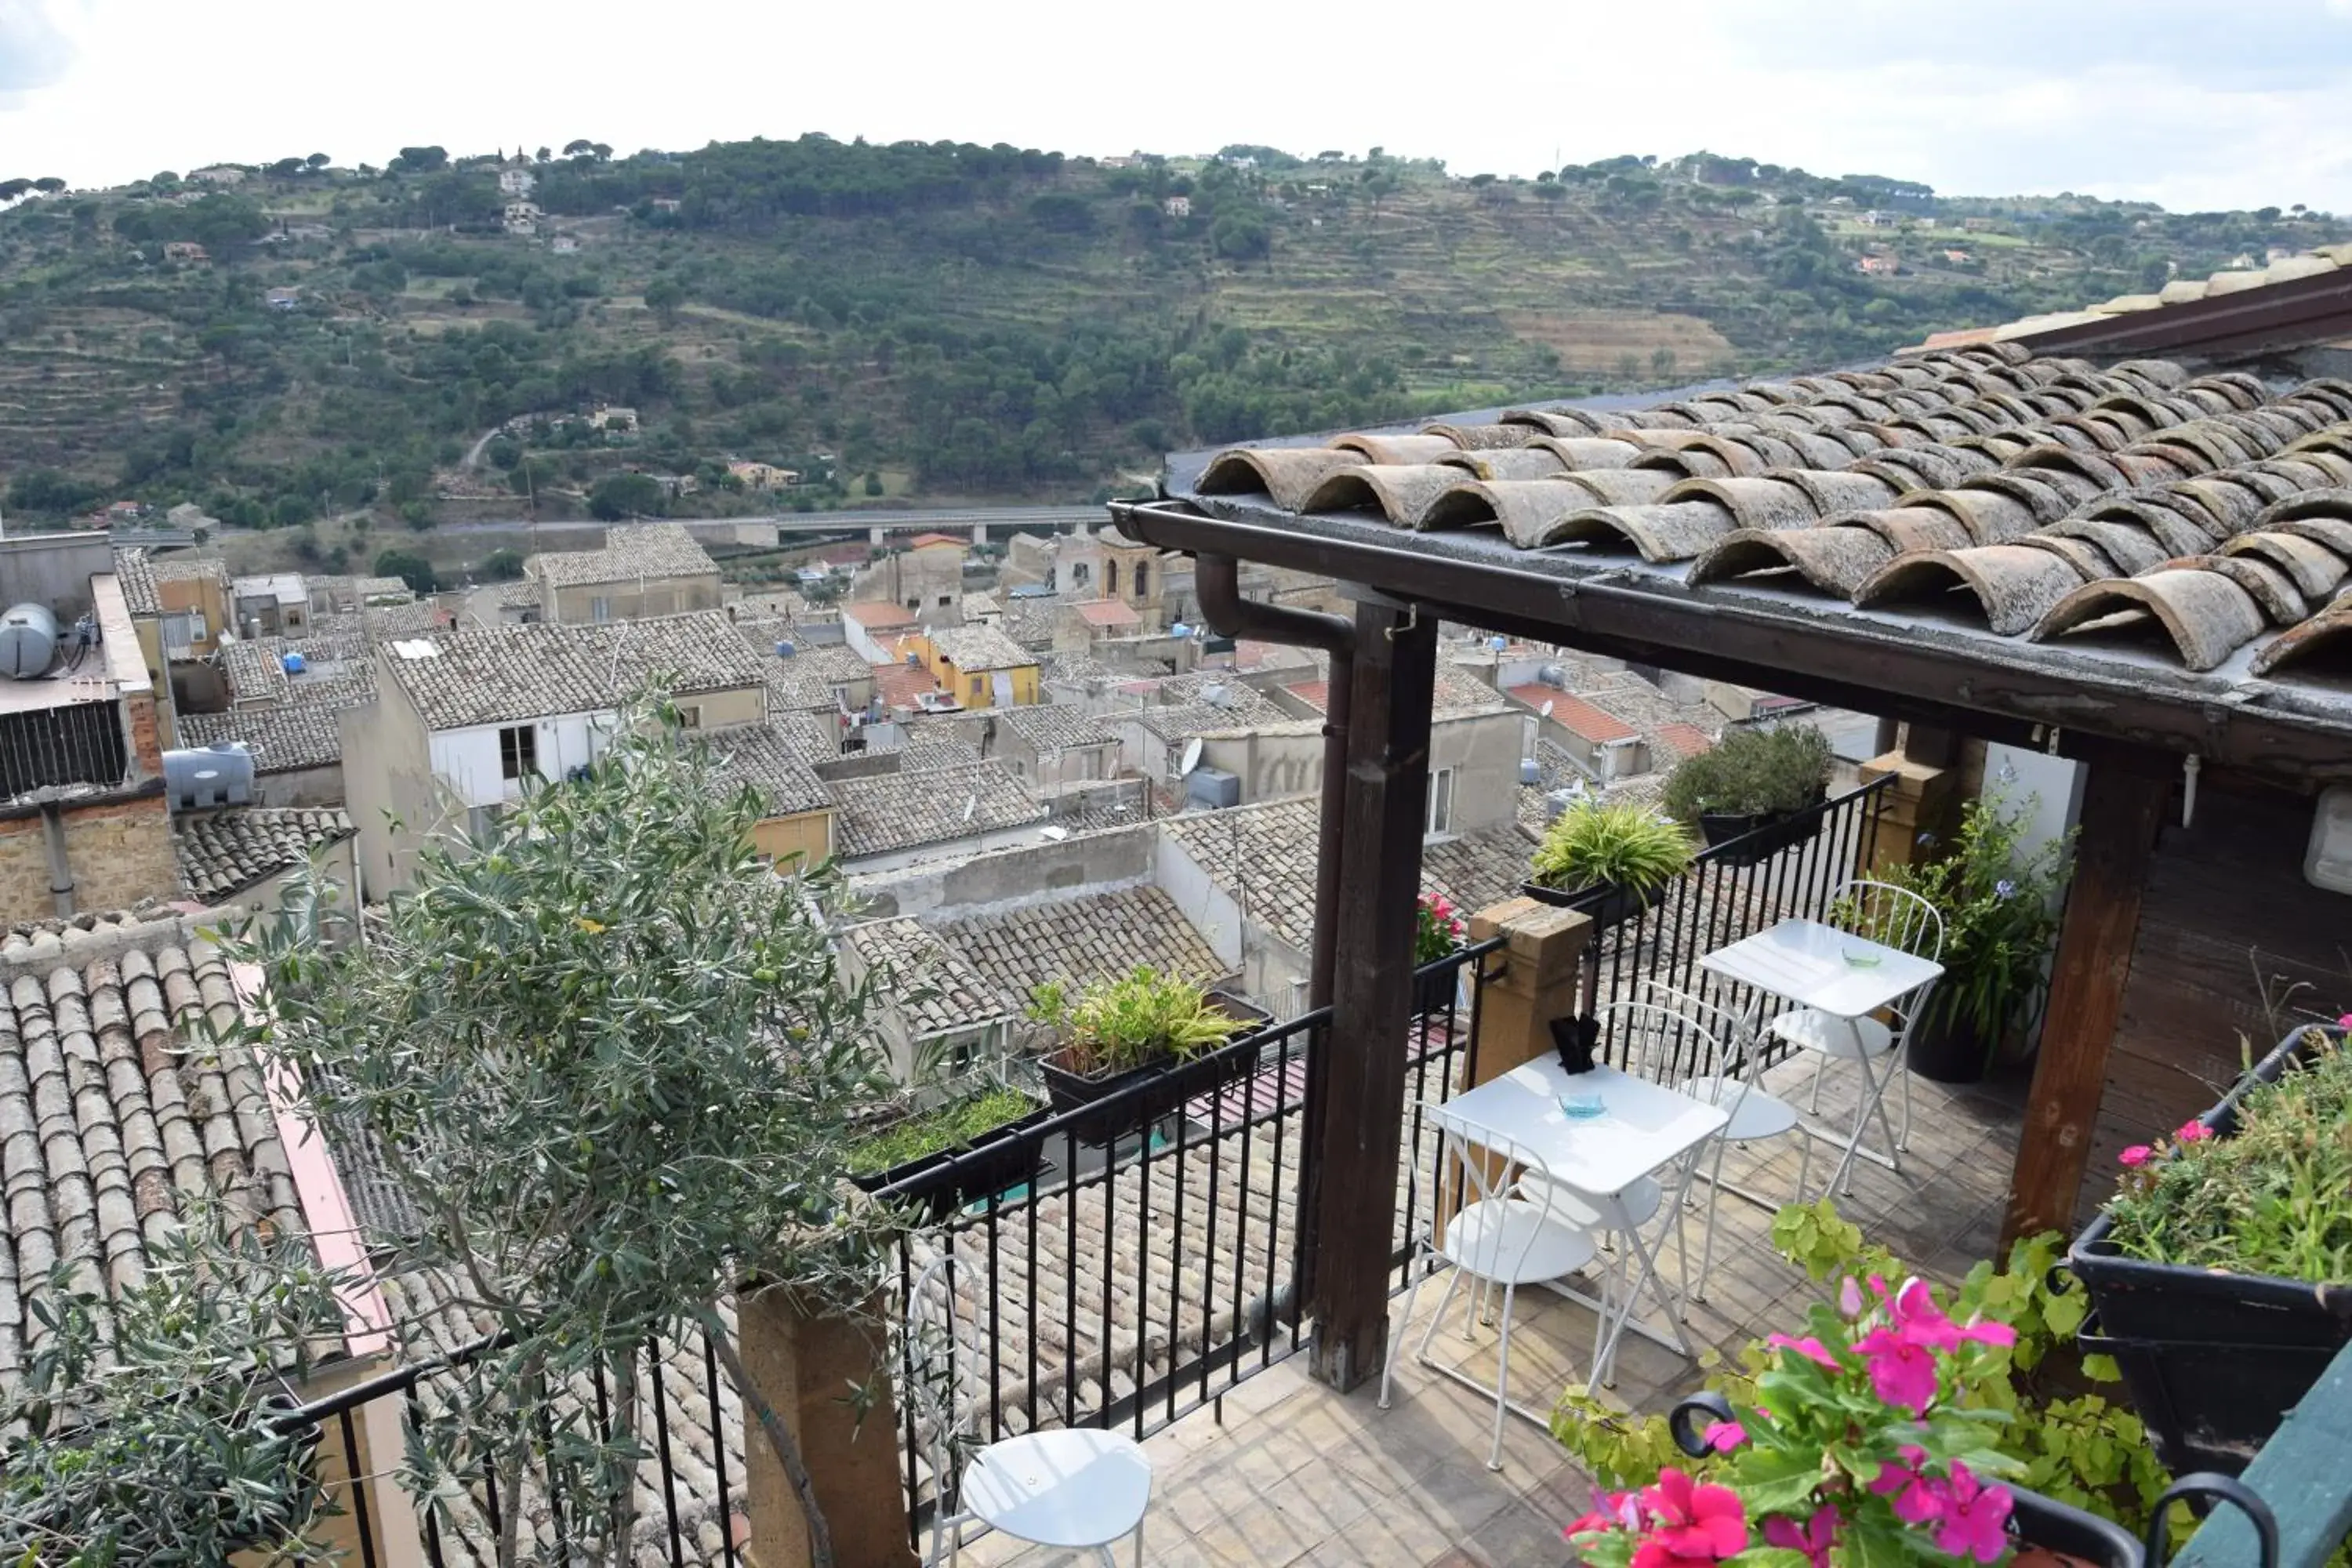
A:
[(519, 752), (1439, 820), (600, 609)]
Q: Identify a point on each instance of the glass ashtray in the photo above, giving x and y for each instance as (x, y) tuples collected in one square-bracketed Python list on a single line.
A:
[(1581, 1106), (1863, 957)]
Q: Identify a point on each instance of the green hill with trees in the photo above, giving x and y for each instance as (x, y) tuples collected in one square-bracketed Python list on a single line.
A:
[(436, 338)]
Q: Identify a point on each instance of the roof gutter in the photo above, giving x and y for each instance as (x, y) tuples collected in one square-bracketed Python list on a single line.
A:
[(1217, 580)]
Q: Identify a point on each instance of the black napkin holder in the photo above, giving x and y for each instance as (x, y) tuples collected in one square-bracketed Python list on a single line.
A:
[(1574, 1038)]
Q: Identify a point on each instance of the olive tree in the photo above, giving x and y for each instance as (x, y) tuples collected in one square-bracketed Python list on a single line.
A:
[(609, 1064), (147, 1429)]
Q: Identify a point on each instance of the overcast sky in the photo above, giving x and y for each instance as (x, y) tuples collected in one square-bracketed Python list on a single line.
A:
[(2193, 103)]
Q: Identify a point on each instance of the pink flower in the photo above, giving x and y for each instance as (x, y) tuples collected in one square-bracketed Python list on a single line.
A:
[(1809, 1347), (2138, 1155), (1916, 1499), (1722, 1437), (2344, 1022), (1813, 1537), (1976, 1518), (1610, 1511), (1850, 1301), (1902, 1367), (2193, 1132), (1691, 1522)]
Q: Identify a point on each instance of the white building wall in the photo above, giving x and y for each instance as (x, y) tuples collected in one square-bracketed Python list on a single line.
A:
[(467, 761)]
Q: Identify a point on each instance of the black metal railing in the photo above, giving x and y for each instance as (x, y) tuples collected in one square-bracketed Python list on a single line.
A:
[(689, 1484), (1134, 1259), (1789, 870)]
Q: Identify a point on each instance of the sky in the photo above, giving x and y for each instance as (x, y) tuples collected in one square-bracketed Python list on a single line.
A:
[(2190, 103)]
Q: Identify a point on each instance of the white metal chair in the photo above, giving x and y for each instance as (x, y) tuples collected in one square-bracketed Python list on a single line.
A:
[(1733, 1080), (1506, 1230), (1894, 917), (1079, 1488)]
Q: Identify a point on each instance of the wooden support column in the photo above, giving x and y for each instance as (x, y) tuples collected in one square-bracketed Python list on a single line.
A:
[(2122, 808), (1356, 1121)]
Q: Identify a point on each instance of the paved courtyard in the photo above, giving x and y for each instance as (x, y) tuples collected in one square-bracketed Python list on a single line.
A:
[(1297, 1474)]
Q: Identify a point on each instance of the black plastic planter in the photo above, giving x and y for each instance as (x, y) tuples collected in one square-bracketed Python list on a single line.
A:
[(1945, 1051), (1122, 1102), (1607, 904), (2212, 1361), (1753, 838), (1000, 1158)]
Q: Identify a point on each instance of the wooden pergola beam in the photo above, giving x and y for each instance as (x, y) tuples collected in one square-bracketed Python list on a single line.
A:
[(2122, 808), (1356, 1108)]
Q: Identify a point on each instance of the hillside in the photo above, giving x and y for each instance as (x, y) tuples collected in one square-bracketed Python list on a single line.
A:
[(945, 322)]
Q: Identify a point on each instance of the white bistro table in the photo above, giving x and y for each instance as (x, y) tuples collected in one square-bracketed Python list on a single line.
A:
[(1833, 972), (1642, 1129)]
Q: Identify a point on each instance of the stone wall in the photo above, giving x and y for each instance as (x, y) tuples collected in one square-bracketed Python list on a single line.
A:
[(117, 854)]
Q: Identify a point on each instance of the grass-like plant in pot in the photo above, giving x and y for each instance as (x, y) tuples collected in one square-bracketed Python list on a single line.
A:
[(955, 1125), (1609, 859), (1752, 779), (1114, 1032)]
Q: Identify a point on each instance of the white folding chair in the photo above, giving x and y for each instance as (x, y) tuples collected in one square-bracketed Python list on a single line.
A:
[(1079, 1488), (1506, 1230), (1733, 1081), (1895, 917)]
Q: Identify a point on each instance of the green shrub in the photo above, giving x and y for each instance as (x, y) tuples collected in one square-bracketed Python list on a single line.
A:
[(1751, 772), (1623, 845), (2275, 1198)]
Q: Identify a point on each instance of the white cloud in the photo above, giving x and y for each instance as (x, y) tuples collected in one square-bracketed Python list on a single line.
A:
[(35, 50), (2174, 100)]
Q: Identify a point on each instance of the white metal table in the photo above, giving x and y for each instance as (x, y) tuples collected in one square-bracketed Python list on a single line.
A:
[(1834, 972), (1644, 1128)]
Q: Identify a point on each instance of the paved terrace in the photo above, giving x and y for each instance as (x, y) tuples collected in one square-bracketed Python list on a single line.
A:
[(1297, 1474)]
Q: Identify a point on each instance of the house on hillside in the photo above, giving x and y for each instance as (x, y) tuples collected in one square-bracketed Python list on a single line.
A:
[(764, 476), (188, 252), (522, 217), (643, 569), (516, 181), (1177, 207)]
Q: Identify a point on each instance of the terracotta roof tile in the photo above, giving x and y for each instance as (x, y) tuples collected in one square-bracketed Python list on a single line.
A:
[(499, 674), (224, 852), (1081, 939), (630, 551), (1107, 613), (888, 812), (770, 760), (1575, 715), (976, 648), (137, 575)]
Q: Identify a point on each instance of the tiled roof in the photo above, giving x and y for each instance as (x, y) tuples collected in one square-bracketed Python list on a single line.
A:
[(922, 540), (931, 984), (137, 575), (1316, 694), (1051, 726), (770, 760), (813, 738), (1454, 693), (1030, 622), (1264, 854), (929, 753), (977, 607), (806, 680), (189, 568), (875, 613), (1107, 613), (411, 619), (282, 740), (631, 550), (1682, 741), (2141, 519), (255, 669), (108, 1119), (499, 674), (1081, 939), (224, 852), (973, 649), (902, 811), (900, 685), (1575, 715), (382, 590), (2176, 292)]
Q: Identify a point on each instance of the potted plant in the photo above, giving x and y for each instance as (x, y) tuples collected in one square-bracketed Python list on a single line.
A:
[(1115, 1033), (1607, 859), (1999, 905), (1756, 789), (2221, 1273), (1438, 933), (988, 1124)]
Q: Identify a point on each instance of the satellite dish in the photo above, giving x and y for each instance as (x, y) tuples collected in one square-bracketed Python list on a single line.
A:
[(1192, 756), (1546, 710)]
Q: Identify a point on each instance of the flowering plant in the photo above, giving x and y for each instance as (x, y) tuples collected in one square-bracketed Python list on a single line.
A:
[(1857, 1448), (1438, 928)]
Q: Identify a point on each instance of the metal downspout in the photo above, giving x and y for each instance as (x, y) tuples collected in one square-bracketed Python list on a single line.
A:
[(1217, 581), (61, 878)]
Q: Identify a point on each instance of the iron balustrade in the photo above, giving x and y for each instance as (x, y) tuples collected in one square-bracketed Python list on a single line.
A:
[(1154, 1260)]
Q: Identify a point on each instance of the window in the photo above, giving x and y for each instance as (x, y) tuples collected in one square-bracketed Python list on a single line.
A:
[(1142, 577), (690, 716), (915, 603), (600, 609), (1079, 574), (1110, 577), (518, 750), (978, 687), (1441, 801), (945, 600)]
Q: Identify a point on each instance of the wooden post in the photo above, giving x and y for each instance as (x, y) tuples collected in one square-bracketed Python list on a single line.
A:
[(2121, 810), (1526, 984), (805, 1364), (1356, 1118)]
